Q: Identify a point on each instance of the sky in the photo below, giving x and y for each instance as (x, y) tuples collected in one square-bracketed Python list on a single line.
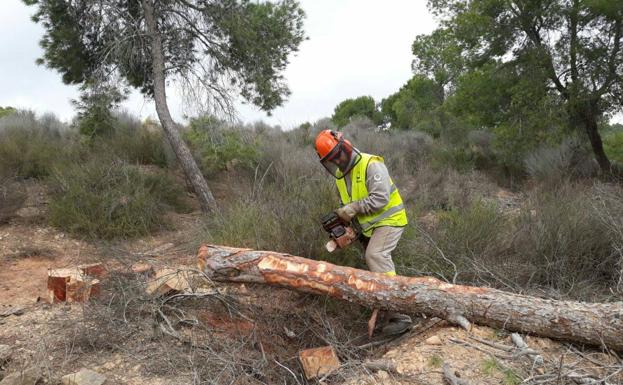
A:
[(355, 48)]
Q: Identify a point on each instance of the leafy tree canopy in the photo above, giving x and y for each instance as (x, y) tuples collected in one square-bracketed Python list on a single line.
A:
[(569, 49), (416, 105), (221, 46), (438, 56), (361, 106)]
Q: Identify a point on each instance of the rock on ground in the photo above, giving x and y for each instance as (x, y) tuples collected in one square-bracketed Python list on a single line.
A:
[(84, 377), (29, 376)]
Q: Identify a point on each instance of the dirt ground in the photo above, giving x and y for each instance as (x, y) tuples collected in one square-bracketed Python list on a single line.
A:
[(233, 333)]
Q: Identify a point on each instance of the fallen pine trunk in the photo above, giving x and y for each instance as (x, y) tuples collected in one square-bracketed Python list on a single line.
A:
[(590, 323)]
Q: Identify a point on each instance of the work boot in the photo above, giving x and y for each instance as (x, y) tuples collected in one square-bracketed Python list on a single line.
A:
[(397, 324)]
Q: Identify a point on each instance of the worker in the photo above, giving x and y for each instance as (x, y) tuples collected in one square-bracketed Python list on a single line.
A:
[(371, 200)]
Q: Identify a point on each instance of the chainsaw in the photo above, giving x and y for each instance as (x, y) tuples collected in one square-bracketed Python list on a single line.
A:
[(341, 233)]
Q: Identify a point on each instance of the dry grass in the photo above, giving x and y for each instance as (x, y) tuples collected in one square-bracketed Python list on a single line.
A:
[(212, 336), (108, 198)]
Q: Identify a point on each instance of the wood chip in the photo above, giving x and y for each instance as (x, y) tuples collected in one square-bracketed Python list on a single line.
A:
[(318, 361)]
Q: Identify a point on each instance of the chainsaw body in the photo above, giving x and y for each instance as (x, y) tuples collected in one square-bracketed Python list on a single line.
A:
[(341, 233)]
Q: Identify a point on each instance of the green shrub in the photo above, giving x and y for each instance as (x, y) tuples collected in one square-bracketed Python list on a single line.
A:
[(358, 124), (219, 148), (565, 242), (613, 145), (460, 158), (12, 199), (96, 122), (4, 111), (608, 205), (464, 240), (111, 199), (135, 143), (553, 164), (564, 238), (473, 231), (30, 147), (95, 109)]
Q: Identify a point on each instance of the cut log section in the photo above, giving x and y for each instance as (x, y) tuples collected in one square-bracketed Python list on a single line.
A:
[(167, 281), (590, 323), (73, 284)]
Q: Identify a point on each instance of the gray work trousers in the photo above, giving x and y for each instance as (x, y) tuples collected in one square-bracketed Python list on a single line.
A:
[(379, 248), (378, 255)]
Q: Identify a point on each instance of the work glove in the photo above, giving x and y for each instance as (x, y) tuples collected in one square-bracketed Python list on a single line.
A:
[(347, 213)]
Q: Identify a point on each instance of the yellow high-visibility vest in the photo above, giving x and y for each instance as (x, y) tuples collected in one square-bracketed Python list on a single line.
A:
[(393, 214)]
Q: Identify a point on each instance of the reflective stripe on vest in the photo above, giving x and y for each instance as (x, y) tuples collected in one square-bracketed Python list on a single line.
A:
[(392, 214), (382, 216)]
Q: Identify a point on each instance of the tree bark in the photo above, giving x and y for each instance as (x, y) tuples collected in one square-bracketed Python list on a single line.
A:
[(595, 324), (588, 116), (193, 174)]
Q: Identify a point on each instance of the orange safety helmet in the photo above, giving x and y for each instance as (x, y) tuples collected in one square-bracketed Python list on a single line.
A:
[(336, 153)]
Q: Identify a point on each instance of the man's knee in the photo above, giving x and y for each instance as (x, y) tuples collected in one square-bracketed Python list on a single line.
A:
[(378, 253), (379, 261)]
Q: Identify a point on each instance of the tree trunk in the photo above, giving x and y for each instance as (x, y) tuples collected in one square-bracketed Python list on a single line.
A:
[(588, 116), (193, 174), (597, 145), (594, 324)]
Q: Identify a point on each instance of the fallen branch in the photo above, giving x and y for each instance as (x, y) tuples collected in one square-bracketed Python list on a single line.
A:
[(385, 365), (525, 349), (589, 323), (473, 346)]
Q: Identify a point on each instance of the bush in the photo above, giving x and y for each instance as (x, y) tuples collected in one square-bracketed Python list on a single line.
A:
[(608, 204), (12, 198), (553, 164), (95, 109), (135, 142), (460, 158), (111, 199), (464, 240), (357, 124), (31, 147), (219, 148), (613, 145), (480, 141), (564, 243), (4, 111), (278, 217)]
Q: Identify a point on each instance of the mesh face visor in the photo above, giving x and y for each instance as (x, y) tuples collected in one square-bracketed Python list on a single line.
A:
[(342, 158)]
